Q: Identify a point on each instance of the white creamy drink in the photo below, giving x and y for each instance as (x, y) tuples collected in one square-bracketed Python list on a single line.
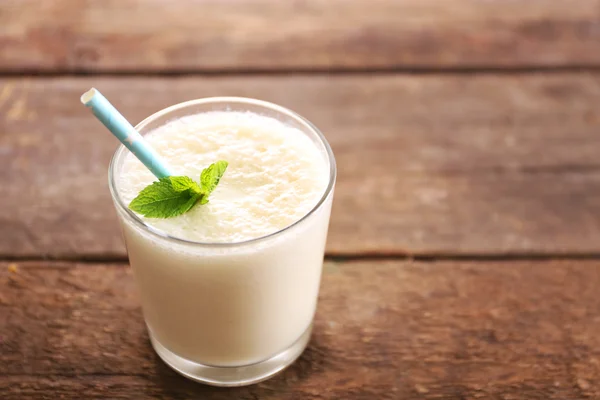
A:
[(240, 294)]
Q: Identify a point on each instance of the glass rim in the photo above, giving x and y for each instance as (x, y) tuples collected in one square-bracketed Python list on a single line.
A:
[(139, 223)]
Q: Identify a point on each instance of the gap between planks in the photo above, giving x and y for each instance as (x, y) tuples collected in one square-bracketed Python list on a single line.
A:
[(343, 258), (399, 70)]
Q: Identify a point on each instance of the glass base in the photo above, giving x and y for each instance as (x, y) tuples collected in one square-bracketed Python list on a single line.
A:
[(232, 376)]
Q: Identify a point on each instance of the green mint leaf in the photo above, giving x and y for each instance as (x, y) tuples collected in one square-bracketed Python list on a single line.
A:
[(175, 195), (210, 177), (166, 199), (181, 183)]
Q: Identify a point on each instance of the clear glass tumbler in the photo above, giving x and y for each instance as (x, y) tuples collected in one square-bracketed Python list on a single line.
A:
[(228, 314)]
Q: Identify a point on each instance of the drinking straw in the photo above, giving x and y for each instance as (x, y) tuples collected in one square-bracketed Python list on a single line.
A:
[(125, 132)]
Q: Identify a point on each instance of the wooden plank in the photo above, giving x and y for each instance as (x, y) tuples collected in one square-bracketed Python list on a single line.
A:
[(473, 165), (210, 35), (383, 330)]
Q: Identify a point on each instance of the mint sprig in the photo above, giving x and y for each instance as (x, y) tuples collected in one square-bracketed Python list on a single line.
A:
[(175, 195)]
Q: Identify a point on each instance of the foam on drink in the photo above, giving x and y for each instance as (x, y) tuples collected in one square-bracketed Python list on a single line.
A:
[(275, 174)]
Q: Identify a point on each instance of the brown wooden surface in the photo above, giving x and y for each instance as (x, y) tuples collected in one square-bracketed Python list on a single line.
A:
[(496, 167), (384, 330), (159, 35), (472, 165)]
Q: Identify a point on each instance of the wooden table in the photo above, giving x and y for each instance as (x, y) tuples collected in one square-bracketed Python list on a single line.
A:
[(463, 256)]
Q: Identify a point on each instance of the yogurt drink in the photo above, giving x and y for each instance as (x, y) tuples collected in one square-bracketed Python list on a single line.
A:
[(229, 289)]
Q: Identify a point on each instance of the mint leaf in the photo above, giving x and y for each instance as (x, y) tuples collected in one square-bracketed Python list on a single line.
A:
[(181, 183), (162, 200), (176, 195), (210, 177)]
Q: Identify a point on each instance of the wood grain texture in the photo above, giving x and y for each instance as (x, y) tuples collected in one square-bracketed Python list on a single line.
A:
[(470, 165), (385, 330), (211, 35)]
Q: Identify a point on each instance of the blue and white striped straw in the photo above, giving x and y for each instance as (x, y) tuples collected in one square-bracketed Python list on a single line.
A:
[(125, 132)]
